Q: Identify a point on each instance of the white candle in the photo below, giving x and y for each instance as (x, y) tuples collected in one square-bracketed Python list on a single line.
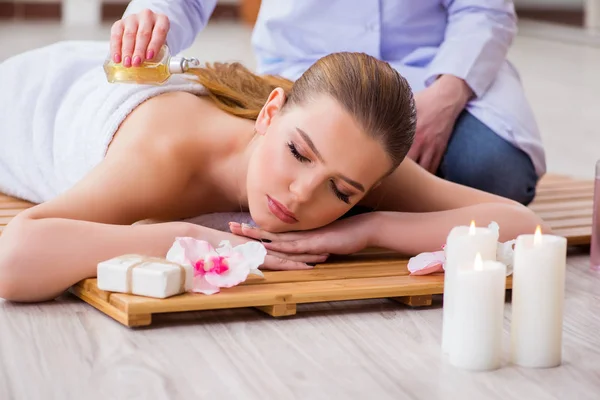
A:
[(462, 245), (537, 300), (478, 316)]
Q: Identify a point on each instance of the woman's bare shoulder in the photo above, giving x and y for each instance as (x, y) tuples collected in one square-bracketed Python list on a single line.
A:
[(167, 120)]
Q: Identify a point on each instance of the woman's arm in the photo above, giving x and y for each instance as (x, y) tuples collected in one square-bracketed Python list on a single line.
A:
[(414, 233), (405, 233), (51, 246), (428, 207), (410, 188), (146, 174), (415, 211)]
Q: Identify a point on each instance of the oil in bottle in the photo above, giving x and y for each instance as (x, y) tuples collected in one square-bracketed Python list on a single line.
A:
[(150, 72)]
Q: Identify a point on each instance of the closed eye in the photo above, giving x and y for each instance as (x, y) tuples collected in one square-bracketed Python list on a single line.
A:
[(297, 154), (342, 196)]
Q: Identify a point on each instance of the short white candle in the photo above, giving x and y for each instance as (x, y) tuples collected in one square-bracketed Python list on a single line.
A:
[(537, 300), (462, 245), (478, 316)]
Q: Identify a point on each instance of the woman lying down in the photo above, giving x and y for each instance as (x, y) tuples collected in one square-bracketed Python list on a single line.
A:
[(99, 157)]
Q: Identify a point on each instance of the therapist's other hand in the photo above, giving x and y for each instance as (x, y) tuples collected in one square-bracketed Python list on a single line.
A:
[(138, 37), (438, 107)]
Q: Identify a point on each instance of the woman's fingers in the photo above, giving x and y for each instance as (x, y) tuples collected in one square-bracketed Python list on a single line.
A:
[(251, 232), (282, 264), (294, 247), (291, 243), (142, 39), (305, 258), (129, 36), (116, 40)]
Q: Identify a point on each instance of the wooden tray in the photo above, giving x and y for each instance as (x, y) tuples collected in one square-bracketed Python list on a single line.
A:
[(565, 203), (280, 291)]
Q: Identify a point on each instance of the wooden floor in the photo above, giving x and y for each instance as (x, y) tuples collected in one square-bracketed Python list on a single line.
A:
[(375, 349)]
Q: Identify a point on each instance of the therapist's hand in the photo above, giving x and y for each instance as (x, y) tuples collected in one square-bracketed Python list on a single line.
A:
[(438, 107), (138, 37)]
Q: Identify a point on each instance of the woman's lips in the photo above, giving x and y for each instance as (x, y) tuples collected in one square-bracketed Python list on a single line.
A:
[(280, 211)]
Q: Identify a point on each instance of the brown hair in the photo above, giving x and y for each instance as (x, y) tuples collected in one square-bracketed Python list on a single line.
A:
[(375, 94)]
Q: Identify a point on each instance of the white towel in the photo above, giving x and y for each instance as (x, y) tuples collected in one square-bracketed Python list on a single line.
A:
[(58, 115)]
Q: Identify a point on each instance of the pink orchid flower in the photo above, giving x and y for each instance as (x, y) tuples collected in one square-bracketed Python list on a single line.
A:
[(223, 267)]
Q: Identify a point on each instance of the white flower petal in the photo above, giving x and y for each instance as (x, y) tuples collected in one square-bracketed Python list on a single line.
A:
[(253, 253), (257, 271), (201, 285), (225, 249), (494, 226), (236, 274), (505, 254), (187, 250), (423, 261)]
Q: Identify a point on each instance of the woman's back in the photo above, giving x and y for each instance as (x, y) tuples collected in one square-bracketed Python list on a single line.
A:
[(193, 138)]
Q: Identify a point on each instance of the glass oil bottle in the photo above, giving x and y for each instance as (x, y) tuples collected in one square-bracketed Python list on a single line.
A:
[(151, 72)]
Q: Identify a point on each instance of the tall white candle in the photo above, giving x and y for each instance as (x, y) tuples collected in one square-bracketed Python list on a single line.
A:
[(478, 316), (462, 245), (537, 300)]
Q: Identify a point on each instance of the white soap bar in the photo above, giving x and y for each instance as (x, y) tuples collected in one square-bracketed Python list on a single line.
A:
[(144, 276)]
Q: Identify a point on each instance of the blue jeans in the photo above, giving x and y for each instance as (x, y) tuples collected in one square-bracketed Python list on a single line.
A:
[(479, 158)]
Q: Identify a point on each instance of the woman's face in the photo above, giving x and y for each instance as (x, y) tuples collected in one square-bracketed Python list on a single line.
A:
[(311, 164)]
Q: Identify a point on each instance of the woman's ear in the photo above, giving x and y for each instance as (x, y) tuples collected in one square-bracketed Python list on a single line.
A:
[(274, 104)]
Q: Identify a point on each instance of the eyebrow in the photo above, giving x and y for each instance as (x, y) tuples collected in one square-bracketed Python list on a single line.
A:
[(312, 146)]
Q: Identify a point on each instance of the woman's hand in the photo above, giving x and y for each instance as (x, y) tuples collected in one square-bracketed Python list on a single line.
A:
[(138, 37), (341, 237), (274, 260)]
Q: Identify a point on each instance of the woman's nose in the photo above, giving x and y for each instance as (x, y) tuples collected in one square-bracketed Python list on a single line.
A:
[(303, 188)]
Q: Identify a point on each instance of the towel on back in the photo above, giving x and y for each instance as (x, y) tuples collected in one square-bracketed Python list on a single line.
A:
[(58, 115)]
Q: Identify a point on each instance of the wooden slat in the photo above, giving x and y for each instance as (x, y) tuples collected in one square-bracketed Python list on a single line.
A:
[(334, 271), (124, 318), (566, 214), (545, 184), (5, 220), (565, 187), (10, 212), (554, 178), (279, 310), (571, 223), (16, 204), (575, 236), (559, 198), (415, 301), (565, 194), (565, 205)]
